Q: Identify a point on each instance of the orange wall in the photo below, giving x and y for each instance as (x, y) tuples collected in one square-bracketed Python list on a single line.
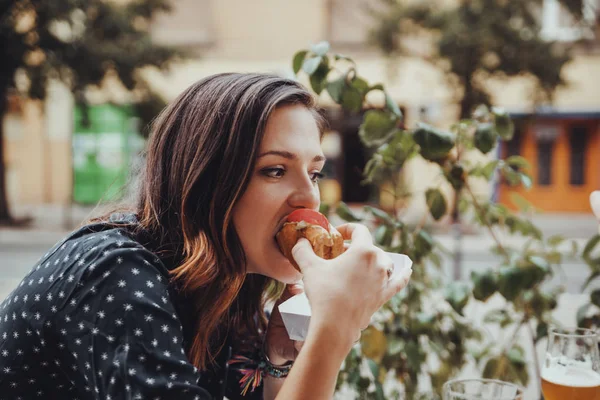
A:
[(560, 195)]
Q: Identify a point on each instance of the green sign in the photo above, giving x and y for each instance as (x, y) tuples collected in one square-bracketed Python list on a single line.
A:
[(105, 146)]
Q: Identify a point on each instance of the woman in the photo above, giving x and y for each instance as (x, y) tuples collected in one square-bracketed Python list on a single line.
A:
[(157, 302)]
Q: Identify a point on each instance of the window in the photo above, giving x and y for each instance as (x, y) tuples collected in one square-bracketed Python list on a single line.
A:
[(544, 149), (578, 140), (558, 24), (545, 133), (513, 146)]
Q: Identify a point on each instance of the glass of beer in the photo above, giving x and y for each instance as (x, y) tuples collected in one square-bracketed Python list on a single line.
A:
[(481, 389), (572, 365)]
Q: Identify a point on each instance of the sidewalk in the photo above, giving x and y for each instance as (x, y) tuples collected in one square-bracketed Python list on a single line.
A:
[(50, 223), (54, 221)]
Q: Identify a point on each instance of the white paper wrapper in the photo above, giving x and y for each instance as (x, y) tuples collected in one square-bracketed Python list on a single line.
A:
[(295, 312)]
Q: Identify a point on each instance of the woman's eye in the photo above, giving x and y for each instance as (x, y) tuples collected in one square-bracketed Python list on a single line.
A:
[(317, 176), (273, 172)]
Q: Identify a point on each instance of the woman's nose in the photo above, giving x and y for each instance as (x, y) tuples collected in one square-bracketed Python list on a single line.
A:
[(305, 196)]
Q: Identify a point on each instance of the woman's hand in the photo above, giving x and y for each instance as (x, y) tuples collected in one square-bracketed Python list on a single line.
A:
[(279, 347), (348, 290)]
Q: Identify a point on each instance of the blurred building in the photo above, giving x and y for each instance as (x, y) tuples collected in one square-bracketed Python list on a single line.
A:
[(263, 35)]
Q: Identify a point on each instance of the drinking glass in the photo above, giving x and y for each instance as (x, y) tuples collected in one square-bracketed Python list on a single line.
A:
[(481, 389), (571, 367)]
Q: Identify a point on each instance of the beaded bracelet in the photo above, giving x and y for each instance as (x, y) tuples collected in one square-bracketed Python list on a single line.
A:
[(276, 371)]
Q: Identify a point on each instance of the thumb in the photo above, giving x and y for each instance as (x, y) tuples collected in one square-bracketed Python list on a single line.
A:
[(303, 254)]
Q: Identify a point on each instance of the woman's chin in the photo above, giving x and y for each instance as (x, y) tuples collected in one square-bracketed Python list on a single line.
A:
[(286, 272)]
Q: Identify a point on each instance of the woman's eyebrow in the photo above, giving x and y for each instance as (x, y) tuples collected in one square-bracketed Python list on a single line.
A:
[(289, 156)]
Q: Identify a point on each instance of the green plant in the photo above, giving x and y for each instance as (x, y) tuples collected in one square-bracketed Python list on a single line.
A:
[(422, 333), (588, 315)]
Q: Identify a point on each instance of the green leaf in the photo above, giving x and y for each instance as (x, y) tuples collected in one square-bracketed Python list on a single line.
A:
[(521, 202), (526, 180), (352, 100), (589, 280), (489, 169), (413, 356), (512, 177), (436, 260), (498, 316), (360, 84), (435, 144), (339, 57), (505, 369), (518, 162), (436, 203), (344, 212), (377, 127), (554, 257), (298, 60), (374, 368), (423, 243), (456, 176), (399, 149), (503, 124), (392, 105), (379, 393), (384, 234), (311, 64), (320, 48), (522, 226), (510, 282), (590, 245), (485, 137), (373, 343), (375, 169), (516, 355), (318, 80), (485, 284), (555, 240), (457, 294), (595, 297), (581, 313), (541, 331), (336, 89), (380, 214)]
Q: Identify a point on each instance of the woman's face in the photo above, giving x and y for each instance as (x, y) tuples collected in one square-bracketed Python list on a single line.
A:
[(284, 179)]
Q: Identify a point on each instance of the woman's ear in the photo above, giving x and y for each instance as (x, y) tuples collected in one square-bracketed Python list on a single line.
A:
[(595, 203)]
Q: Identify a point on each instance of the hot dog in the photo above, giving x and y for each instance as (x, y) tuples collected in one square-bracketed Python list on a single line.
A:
[(326, 241)]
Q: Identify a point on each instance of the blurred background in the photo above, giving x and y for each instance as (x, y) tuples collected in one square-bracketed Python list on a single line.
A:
[(81, 80)]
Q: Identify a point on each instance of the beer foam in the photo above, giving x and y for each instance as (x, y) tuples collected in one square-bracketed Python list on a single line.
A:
[(572, 376)]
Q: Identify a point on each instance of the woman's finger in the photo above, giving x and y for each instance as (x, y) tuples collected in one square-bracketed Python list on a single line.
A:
[(396, 283), (304, 254), (356, 232), (295, 289)]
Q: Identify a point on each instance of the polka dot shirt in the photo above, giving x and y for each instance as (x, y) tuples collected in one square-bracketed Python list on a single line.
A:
[(96, 319)]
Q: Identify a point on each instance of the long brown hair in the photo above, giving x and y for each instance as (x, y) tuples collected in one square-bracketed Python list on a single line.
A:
[(200, 159)]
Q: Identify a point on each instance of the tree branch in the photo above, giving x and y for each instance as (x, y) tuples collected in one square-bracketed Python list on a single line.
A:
[(484, 221)]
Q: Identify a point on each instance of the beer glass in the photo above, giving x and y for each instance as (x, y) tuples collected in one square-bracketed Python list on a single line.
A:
[(572, 365), (481, 389)]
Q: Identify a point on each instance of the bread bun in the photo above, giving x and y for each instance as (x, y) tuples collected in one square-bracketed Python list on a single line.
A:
[(327, 243)]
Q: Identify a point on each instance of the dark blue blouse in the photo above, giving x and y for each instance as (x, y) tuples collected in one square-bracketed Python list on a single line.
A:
[(96, 318)]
